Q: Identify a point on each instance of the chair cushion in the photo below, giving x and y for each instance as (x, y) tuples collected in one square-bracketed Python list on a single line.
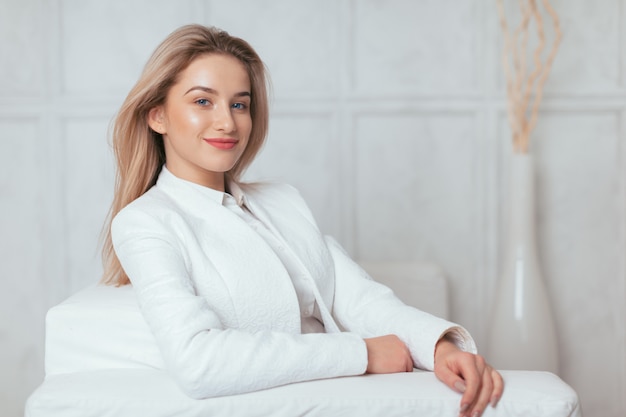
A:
[(100, 327), (145, 392)]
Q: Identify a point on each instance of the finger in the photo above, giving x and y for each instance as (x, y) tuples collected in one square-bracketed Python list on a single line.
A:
[(408, 361), (450, 378), (484, 395), (498, 387), (471, 371)]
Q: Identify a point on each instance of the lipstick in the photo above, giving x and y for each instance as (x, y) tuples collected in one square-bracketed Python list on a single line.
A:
[(222, 143)]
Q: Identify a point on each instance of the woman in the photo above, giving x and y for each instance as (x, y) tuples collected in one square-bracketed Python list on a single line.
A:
[(239, 287)]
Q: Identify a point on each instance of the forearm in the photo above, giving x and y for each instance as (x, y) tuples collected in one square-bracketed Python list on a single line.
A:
[(371, 309), (227, 362)]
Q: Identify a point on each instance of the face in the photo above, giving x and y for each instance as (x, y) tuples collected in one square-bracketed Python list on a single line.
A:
[(205, 121)]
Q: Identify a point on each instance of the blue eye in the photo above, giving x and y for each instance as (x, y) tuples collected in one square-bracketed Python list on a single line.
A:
[(239, 106), (202, 101)]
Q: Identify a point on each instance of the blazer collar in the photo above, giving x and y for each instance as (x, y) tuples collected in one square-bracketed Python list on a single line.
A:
[(195, 197), (179, 187)]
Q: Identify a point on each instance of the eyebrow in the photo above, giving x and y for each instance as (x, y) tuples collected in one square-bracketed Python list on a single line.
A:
[(213, 91)]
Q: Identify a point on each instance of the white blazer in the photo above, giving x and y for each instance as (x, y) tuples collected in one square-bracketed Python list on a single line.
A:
[(223, 308)]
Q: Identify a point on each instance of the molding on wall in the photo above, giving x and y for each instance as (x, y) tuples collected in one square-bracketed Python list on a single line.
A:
[(620, 295)]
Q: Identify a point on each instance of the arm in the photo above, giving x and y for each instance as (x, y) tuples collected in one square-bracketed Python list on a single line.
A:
[(388, 326), (206, 358), (369, 308)]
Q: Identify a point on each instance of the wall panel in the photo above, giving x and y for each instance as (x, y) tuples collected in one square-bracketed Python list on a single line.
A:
[(301, 48), (415, 195), (402, 49), (106, 44), (88, 177), (21, 43), (23, 298), (588, 56)]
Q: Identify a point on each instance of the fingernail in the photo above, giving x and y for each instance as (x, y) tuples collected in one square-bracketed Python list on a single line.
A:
[(494, 401), (460, 386), (476, 414), (463, 409)]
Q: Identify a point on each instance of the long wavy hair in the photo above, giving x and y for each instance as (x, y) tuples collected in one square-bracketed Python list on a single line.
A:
[(139, 150)]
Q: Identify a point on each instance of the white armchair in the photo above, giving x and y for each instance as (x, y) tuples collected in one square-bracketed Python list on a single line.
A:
[(102, 360)]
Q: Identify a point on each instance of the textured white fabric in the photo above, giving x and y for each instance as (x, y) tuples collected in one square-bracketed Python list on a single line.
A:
[(222, 307), (235, 201), (310, 316), (134, 393)]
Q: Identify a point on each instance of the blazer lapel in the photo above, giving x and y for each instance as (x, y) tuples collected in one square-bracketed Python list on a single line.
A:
[(259, 287), (305, 241)]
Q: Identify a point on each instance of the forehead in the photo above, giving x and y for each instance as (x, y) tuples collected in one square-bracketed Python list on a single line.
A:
[(213, 70)]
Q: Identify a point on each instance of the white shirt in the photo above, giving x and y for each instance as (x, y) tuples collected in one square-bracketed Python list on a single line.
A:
[(310, 316)]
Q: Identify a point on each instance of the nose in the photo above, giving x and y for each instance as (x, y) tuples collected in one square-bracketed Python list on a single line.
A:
[(223, 120)]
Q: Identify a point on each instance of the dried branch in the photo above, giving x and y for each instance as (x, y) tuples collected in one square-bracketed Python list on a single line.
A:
[(520, 87), (521, 71), (548, 65), (510, 92)]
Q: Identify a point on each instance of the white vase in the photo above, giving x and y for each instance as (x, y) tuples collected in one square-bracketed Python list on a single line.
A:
[(522, 333)]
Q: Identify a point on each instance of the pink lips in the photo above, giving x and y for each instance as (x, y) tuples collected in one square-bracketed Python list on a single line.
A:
[(222, 143)]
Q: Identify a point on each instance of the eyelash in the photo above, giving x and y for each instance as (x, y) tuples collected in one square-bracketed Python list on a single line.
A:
[(204, 102)]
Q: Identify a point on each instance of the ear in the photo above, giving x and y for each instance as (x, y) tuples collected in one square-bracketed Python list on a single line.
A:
[(156, 120)]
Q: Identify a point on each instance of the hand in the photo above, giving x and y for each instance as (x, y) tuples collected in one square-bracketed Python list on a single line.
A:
[(470, 375), (387, 355)]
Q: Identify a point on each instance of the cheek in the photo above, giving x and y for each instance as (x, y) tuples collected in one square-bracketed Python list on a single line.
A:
[(246, 125), (184, 119)]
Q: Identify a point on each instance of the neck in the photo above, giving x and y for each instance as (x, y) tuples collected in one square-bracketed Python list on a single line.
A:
[(210, 179)]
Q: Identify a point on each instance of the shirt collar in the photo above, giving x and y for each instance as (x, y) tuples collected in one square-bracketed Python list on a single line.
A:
[(218, 197), (236, 191)]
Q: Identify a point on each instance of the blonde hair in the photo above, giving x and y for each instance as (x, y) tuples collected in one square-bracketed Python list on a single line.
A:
[(139, 150)]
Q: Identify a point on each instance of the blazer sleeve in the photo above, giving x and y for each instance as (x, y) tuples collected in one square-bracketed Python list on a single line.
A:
[(366, 307), (205, 358)]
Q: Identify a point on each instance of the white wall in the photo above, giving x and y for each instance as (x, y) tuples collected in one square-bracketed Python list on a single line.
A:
[(388, 115)]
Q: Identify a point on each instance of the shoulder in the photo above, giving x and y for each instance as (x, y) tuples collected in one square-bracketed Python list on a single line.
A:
[(149, 212), (277, 198), (275, 195), (152, 203), (271, 191)]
